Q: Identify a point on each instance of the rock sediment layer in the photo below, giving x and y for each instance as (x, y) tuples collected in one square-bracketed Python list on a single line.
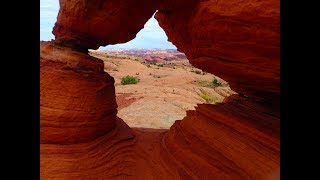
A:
[(233, 140), (77, 98), (88, 24), (81, 136), (236, 40)]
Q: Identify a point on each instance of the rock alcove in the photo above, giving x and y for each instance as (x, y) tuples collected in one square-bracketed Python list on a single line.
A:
[(80, 134)]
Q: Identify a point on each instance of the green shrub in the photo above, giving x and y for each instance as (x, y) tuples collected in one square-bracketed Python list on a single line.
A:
[(209, 84), (215, 82), (129, 80), (196, 71), (208, 98)]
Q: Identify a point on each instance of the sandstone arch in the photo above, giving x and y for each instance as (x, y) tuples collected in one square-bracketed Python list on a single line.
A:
[(238, 139)]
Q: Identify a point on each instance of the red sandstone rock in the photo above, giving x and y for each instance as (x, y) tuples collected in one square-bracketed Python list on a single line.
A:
[(225, 141), (77, 98), (93, 23), (110, 156), (237, 139), (236, 40), (233, 140)]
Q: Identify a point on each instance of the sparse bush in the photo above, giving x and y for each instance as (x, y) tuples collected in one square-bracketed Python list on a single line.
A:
[(204, 73), (148, 65), (160, 65), (156, 76), (204, 83), (215, 82), (208, 98), (129, 80), (196, 71), (210, 84)]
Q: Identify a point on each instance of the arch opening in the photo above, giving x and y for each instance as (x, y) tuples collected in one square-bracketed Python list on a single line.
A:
[(167, 84)]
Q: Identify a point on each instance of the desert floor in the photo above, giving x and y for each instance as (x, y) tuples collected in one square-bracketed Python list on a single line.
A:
[(164, 93)]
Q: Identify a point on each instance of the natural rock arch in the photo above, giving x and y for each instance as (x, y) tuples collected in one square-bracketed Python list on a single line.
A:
[(238, 139), (240, 43)]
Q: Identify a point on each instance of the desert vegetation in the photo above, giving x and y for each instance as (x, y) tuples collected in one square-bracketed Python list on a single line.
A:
[(210, 83), (198, 72), (129, 80), (208, 97)]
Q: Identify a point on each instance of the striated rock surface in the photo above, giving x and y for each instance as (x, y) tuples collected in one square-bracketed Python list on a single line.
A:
[(212, 142), (233, 140), (110, 156), (88, 24), (236, 40), (80, 135), (77, 98)]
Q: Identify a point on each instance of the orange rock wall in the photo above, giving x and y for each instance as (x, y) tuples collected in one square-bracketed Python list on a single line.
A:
[(77, 98), (93, 23), (82, 138), (238, 41), (233, 140)]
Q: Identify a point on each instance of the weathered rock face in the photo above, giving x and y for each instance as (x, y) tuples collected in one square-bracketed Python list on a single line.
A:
[(226, 141), (234, 140), (88, 24), (110, 156), (236, 40), (77, 98), (238, 139)]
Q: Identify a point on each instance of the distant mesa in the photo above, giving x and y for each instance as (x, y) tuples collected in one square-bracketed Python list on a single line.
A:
[(148, 55)]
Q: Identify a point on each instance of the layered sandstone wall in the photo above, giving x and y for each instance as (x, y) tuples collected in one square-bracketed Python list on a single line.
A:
[(77, 98), (238, 41), (237, 139), (81, 137), (88, 24)]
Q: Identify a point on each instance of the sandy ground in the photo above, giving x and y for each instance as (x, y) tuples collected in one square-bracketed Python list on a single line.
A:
[(157, 102)]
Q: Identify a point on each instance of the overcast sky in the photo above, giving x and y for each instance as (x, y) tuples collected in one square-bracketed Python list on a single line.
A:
[(151, 36)]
